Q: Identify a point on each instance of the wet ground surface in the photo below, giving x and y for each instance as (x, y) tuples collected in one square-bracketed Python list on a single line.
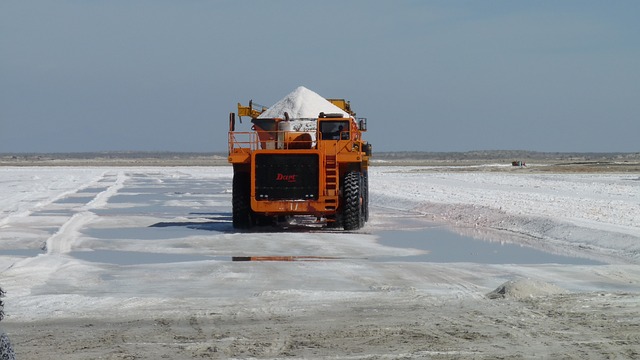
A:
[(145, 269), (167, 199), (440, 245), (445, 246), (139, 258)]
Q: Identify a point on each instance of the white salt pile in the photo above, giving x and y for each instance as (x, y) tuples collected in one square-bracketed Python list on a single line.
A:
[(301, 103)]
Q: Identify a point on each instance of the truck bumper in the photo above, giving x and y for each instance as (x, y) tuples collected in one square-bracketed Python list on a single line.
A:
[(324, 206)]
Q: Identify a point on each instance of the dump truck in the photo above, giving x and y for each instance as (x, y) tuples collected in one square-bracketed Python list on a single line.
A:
[(287, 168)]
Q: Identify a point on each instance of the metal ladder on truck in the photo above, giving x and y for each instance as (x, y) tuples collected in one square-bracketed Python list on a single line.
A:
[(331, 191)]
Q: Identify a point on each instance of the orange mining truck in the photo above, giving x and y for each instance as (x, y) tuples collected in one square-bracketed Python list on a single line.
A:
[(289, 167)]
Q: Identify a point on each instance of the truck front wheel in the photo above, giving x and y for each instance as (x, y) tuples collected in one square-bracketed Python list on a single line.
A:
[(241, 201), (353, 217)]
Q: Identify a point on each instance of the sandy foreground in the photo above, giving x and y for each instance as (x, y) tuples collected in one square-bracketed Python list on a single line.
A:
[(80, 260)]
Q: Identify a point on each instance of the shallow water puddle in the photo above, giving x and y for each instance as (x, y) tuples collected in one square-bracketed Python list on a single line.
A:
[(138, 233), (137, 198), (92, 190), (445, 246), (283, 258), (139, 258), (74, 200), (164, 230), (21, 252), (54, 212)]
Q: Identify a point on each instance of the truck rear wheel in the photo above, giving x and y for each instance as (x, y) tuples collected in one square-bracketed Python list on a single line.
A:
[(353, 217), (241, 201), (365, 196)]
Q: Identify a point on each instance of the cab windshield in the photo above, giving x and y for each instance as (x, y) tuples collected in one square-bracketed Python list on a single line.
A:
[(334, 130)]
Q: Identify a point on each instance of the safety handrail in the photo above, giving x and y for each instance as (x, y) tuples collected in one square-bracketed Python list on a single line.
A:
[(247, 141)]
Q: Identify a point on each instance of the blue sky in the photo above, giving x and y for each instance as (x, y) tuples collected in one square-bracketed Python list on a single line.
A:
[(163, 75)]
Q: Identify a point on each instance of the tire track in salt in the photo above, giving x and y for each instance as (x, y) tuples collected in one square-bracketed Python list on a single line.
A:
[(27, 274), (68, 235), (43, 194)]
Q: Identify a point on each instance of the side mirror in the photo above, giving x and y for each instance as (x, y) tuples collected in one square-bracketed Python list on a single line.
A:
[(362, 125), (368, 149)]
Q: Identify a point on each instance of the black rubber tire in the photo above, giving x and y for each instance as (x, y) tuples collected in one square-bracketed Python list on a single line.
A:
[(362, 200), (365, 202), (353, 218), (241, 201)]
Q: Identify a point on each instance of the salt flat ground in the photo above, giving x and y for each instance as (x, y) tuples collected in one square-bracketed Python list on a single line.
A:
[(135, 263)]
